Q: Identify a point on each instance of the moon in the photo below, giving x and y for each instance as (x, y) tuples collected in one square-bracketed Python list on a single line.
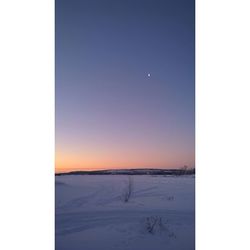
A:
[(149, 74)]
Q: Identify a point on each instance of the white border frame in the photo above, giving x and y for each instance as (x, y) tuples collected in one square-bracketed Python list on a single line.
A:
[(27, 124)]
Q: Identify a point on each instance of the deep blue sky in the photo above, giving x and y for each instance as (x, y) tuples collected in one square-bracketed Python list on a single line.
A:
[(109, 113)]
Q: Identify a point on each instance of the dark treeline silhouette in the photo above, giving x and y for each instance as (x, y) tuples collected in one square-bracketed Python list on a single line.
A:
[(176, 172)]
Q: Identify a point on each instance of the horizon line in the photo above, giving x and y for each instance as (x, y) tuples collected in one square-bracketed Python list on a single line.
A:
[(120, 169)]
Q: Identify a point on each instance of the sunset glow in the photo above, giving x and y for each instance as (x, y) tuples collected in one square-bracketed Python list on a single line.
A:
[(124, 85)]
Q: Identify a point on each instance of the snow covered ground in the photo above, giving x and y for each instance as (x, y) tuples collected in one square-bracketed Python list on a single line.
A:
[(91, 212)]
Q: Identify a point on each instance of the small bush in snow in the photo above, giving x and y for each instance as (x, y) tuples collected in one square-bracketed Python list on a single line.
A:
[(154, 223), (128, 190), (170, 198)]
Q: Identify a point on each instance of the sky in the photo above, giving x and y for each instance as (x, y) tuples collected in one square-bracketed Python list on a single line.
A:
[(125, 87)]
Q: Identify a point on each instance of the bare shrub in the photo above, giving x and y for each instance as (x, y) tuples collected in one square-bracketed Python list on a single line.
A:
[(128, 190), (170, 198), (152, 223), (155, 224), (171, 235)]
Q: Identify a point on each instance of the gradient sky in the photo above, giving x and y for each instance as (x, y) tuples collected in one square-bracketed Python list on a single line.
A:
[(109, 112)]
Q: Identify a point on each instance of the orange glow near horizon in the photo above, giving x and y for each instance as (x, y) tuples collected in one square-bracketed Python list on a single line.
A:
[(80, 161)]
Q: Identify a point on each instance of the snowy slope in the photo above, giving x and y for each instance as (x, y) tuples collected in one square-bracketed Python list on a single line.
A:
[(91, 213)]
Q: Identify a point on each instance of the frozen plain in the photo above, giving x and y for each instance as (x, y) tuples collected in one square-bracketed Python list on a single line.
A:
[(91, 213)]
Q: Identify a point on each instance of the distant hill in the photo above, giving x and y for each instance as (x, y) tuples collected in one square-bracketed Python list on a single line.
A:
[(177, 172)]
